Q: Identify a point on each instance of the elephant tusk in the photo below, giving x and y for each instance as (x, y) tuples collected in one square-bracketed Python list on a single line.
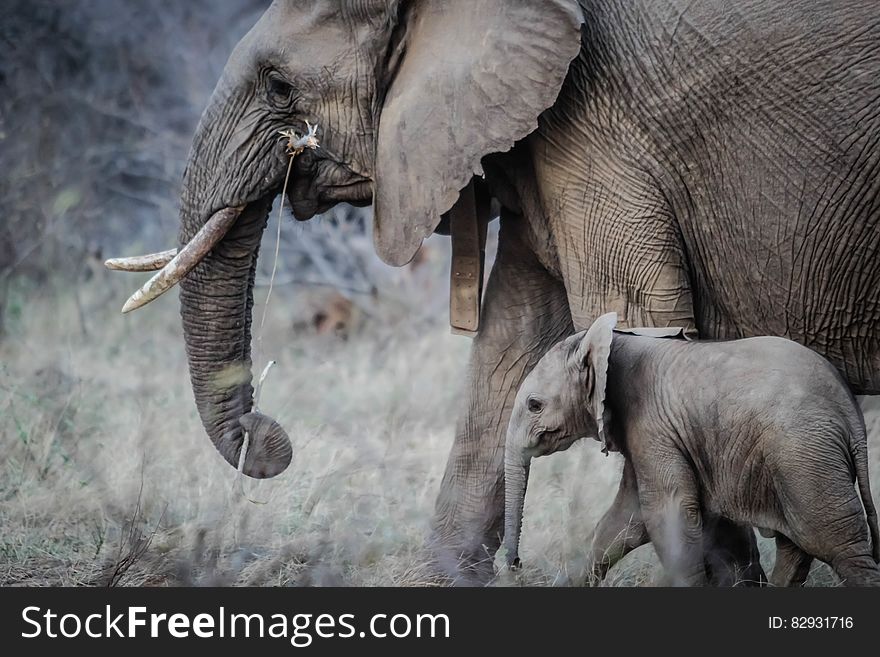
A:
[(185, 260), (149, 262)]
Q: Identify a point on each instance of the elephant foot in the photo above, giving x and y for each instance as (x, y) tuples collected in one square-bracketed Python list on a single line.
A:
[(460, 564)]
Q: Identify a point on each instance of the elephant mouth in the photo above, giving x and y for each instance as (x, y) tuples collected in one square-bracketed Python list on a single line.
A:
[(552, 441), (318, 183), (319, 200), (358, 192)]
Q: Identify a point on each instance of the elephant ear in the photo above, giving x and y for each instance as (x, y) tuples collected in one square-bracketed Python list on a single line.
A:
[(473, 79), (592, 354)]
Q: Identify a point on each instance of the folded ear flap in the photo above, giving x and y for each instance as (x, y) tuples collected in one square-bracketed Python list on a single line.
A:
[(592, 354), (474, 76)]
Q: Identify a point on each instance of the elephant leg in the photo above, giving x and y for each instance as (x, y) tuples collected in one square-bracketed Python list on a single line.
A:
[(857, 570), (837, 533), (671, 510), (525, 313), (731, 555), (621, 530), (840, 540), (792, 564)]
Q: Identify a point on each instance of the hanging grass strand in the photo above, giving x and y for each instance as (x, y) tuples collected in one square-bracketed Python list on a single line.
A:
[(295, 146), (274, 264)]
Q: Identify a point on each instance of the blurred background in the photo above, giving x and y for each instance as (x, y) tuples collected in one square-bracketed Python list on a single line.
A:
[(107, 477), (99, 102)]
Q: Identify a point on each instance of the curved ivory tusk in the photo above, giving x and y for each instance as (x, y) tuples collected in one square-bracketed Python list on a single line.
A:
[(186, 259), (149, 262)]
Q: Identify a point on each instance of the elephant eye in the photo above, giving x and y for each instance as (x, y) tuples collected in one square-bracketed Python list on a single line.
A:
[(280, 90), (535, 406)]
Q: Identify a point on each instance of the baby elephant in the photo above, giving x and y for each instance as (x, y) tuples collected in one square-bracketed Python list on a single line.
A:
[(761, 431)]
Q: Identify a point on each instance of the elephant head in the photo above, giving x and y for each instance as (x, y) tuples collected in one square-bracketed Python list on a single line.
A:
[(560, 401), (410, 95)]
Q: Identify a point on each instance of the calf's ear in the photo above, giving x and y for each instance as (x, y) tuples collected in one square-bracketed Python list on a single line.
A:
[(592, 355)]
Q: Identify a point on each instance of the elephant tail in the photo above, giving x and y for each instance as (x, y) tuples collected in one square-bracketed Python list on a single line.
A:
[(860, 460)]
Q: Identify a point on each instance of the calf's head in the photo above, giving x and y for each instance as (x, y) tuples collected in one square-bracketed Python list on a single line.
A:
[(561, 400)]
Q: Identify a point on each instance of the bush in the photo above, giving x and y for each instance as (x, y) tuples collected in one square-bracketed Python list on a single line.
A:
[(99, 101)]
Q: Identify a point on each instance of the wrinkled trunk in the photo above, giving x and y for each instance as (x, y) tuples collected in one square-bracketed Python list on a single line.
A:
[(216, 307), (516, 477)]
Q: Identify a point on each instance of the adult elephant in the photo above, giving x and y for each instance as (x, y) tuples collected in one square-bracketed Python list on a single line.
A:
[(709, 164)]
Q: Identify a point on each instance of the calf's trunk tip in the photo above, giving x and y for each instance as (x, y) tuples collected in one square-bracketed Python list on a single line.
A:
[(516, 474)]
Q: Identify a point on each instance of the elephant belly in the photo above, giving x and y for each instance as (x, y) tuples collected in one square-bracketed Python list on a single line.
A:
[(755, 507), (807, 270), (775, 189)]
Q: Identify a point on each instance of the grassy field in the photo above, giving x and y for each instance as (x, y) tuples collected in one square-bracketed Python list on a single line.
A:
[(108, 478)]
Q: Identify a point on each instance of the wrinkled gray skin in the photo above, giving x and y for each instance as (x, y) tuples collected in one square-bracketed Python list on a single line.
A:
[(761, 431), (710, 165)]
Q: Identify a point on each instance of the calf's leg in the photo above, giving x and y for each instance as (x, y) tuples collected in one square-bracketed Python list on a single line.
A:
[(671, 509), (620, 531), (792, 564)]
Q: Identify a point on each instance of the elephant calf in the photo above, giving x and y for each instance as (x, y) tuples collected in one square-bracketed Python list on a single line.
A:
[(762, 431)]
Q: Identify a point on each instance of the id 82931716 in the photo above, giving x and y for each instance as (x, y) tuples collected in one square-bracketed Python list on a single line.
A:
[(810, 623)]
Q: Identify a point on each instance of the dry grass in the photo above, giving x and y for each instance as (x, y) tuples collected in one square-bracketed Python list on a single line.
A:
[(87, 420), (108, 477)]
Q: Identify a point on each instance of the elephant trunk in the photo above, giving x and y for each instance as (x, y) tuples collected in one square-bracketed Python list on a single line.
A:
[(516, 478), (216, 300)]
